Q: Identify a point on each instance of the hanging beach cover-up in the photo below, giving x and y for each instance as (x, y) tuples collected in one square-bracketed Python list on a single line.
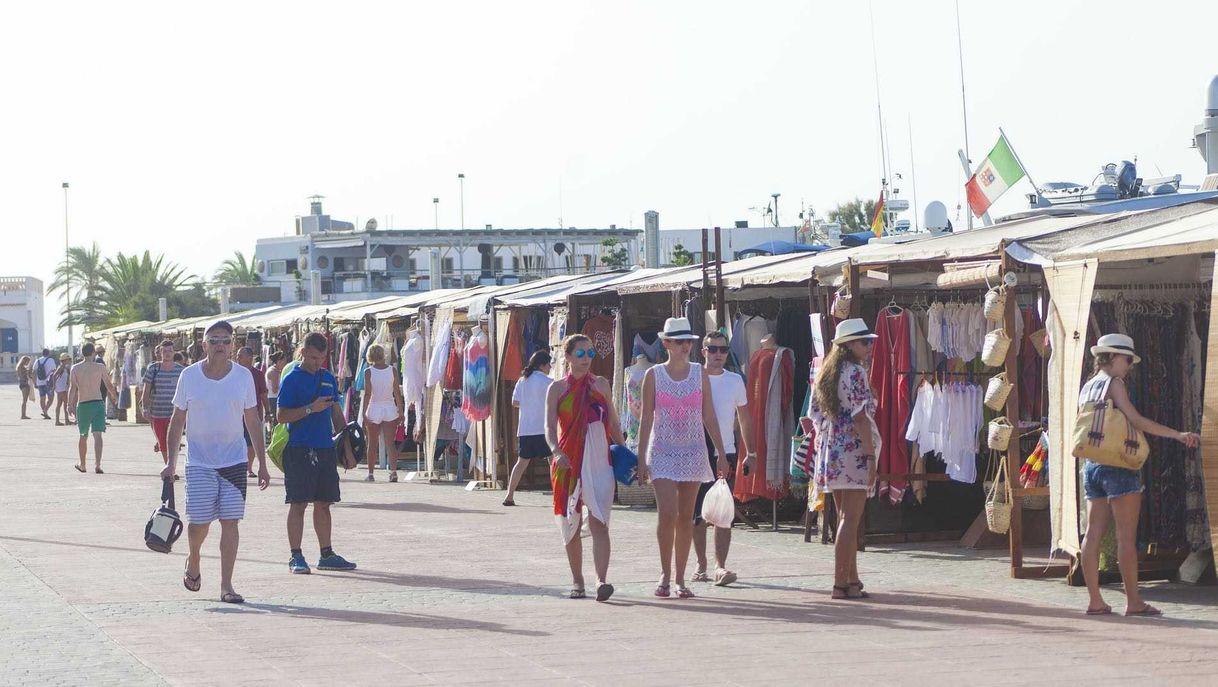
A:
[(476, 387)]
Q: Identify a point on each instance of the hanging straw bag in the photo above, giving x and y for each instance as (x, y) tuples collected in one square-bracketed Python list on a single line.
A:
[(999, 435), (1104, 435), (994, 352), (841, 304), (998, 501), (996, 392), (995, 304)]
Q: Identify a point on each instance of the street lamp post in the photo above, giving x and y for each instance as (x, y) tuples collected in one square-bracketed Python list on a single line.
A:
[(461, 255), (67, 267), (775, 197), (435, 202)]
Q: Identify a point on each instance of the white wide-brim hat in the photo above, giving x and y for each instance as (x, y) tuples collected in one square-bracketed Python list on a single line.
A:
[(1116, 343), (678, 329), (852, 330)]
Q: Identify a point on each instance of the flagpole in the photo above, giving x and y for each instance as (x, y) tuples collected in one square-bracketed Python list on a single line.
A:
[(964, 109), (1020, 162)]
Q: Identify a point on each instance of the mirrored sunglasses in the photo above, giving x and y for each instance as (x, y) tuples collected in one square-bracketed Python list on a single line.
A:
[(585, 353)]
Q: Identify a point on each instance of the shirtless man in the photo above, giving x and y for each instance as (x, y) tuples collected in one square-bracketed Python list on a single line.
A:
[(85, 385)]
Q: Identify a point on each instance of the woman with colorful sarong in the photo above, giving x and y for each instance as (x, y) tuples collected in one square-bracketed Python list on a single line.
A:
[(678, 415), (580, 419)]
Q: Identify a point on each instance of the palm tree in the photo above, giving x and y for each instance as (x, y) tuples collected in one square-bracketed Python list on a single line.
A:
[(82, 273), (131, 286), (237, 270)]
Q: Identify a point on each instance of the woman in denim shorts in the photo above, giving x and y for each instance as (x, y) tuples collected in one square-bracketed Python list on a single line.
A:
[(1115, 494)]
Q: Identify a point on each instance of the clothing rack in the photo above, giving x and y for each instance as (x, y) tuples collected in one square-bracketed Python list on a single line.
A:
[(1195, 286)]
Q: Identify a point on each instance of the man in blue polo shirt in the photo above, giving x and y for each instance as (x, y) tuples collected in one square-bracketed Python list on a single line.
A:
[(309, 403)]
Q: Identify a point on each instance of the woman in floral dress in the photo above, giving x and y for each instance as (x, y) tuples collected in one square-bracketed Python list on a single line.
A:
[(847, 442)]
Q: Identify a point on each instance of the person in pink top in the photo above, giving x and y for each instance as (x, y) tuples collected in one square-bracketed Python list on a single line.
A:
[(677, 409)]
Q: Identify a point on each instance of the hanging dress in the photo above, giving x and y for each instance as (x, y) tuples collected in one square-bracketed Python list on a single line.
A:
[(476, 386), (769, 384), (413, 372), (584, 439), (890, 368), (676, 449)]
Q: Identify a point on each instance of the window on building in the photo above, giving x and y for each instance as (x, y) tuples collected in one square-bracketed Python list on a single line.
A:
[(278, 267), (340, 264), (413, 265), (446, 266), (497, 266)]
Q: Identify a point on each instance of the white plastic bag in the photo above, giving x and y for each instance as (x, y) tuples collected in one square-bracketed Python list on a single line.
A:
[(718, 508)]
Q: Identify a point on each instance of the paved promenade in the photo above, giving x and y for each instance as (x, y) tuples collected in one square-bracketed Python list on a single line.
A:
[(452, 588)]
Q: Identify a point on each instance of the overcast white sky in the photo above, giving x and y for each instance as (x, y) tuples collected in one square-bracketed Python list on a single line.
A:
[(193, 129)]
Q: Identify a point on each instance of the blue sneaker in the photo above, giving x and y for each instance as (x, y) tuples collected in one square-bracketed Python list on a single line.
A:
[(335, 562), (298, 565)]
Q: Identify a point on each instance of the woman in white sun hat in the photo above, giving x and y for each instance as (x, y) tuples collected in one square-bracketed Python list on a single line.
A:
[(847, 443), (1115, 494), (678, 413)]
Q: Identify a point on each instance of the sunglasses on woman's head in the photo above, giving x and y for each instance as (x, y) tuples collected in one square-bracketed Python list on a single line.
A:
[(717, 349), (585, 353)]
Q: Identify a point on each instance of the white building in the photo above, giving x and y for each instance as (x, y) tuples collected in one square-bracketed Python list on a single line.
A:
[(21, 320), (345, 264), (732, 239)]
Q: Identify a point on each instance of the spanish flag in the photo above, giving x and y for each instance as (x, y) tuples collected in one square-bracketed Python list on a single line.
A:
[(877, 220)]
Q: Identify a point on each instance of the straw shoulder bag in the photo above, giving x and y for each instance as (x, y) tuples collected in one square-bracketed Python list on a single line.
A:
[(995, 307), (998, 501), (994, 352), (841, 304), (999, 436), (1104, 435), (997, 391)]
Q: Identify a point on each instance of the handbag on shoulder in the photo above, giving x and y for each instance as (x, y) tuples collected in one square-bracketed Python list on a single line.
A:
[(1104, 435)]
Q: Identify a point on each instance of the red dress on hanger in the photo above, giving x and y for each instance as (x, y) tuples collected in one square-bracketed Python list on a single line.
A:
[(760, 371), (890, 368)]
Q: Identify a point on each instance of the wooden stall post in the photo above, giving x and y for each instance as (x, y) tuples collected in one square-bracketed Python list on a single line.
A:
[(720, 300), (1208, 454), (1012, 412)]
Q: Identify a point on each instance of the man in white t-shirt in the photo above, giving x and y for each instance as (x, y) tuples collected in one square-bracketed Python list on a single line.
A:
[(529, 397), (218, 394), (731, 405)]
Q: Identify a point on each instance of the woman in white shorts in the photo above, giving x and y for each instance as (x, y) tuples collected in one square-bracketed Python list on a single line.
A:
[(382, 410)]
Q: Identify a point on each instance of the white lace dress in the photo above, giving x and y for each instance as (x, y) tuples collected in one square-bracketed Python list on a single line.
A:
[(677, 447)]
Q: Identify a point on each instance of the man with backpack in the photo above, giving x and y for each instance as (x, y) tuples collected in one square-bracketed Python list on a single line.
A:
[(43, 367)]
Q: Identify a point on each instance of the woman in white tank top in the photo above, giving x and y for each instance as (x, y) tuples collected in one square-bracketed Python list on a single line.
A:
[(382, 410)]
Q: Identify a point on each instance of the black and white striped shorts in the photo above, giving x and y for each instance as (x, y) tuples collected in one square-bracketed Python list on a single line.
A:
[(215, 493)]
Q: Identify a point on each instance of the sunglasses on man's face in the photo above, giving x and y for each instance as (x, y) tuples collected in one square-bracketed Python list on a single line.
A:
[(717, 349), (219, 341), (585, 353)]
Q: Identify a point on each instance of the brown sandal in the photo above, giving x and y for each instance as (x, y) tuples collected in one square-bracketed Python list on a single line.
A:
[(193, 583)]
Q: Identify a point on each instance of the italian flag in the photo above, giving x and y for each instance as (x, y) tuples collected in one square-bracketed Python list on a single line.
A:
[(998, 172)]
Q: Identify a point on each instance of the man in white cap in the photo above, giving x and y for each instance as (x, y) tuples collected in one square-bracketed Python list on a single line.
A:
[(219, 396)]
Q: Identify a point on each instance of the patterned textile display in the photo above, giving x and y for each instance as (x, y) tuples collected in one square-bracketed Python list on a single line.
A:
[(476, 387), (599, 328)]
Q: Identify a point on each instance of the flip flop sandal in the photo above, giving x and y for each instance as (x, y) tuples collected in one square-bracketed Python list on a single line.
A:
[(232, 598), (1102, 610), (724, 578), (79, 469), (700, 576), (192, 584), (99, 471), (684, 593), (509, 502), (577, 593), (845, 590), (1146, 612), (663, 591), (604, 591), (861, 594)]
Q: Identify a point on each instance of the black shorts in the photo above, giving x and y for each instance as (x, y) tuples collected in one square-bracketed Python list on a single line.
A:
[(533, 446), (249, 443), (706, 486), (310, 474)]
